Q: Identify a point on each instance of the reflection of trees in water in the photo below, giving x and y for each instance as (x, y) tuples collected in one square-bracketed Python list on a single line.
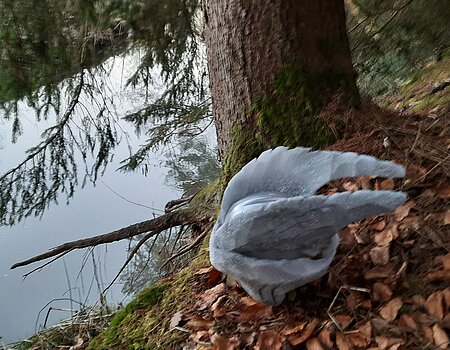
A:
[(192, 165), (38, 52), (44, 42), (87, 127)]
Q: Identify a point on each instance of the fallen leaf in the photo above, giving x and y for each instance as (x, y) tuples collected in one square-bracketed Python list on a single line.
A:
[(357, 340), (203, 271), (255, 312), (379, 226), (443, 191), (346, 237), (386, 342), (314, 344), (427, 333), (366, 304), (365, 182), (435, 305), (446, 322), (222, 343), (199, 323), (446, 261), (269, 340), (343, 321), (214, 277), (362, 237), (354, 300), (296, 340), (403, 211), (393, 228), (383, 238), (378, 272), (350, 186), (408, 323), (446, 296), (175, 320), (247, 339), (365, 328), (438, 276), (248, 301), (387, 184), (415, 172), (325, 337), (379, 324), (410, 222), (389, 311), (200, 336), (380, 255), (440, 337), (216, 308), (212, 294), (342, 343), (297, 328), (446, 217), (381, 292)]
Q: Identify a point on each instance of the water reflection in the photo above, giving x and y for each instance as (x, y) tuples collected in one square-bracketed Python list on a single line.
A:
[(59, 92), (94, 210)]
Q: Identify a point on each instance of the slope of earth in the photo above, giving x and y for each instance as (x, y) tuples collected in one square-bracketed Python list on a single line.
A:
[(389, 284)]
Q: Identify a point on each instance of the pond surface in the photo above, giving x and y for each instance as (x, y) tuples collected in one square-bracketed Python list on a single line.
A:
[(93, 210)]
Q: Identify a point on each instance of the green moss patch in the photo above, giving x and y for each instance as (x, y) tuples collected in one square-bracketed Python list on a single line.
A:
[(205, 201), (417, 94), (145, 322), (288, 116), (124, 319), (245, 145)]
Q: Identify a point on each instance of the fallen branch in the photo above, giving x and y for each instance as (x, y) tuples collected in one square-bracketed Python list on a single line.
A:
[(163, 222)]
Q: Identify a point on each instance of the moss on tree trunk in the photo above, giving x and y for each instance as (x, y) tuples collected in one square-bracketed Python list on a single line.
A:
[(272, 69), (287, 116)]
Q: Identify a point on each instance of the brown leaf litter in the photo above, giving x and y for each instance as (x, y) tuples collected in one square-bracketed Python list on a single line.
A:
[(389, 285)]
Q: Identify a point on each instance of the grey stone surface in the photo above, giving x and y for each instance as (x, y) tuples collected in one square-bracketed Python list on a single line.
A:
[(274, 234)]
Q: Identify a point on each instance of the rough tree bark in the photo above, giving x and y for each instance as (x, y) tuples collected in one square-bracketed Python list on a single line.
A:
[(261, 53)]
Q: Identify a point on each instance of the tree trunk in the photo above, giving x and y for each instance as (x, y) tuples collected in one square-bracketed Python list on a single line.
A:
[(273, 65)]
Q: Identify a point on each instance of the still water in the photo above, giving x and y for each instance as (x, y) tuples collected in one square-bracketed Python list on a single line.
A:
[(93, 210)]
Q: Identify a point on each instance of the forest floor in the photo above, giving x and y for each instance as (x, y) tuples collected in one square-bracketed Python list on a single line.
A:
[(389, 284)]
